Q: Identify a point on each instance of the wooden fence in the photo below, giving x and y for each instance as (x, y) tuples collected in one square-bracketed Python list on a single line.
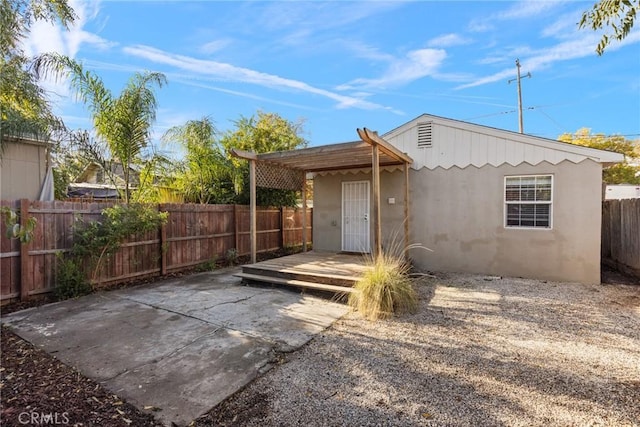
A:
[(193, 235), (621, 235)]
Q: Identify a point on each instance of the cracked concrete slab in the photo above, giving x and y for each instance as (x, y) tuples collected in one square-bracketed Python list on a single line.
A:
[(182, 345)]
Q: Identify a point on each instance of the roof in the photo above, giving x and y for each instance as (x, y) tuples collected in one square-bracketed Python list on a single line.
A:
[(25, 140), (96, 191), (346, 155), (453, 143)]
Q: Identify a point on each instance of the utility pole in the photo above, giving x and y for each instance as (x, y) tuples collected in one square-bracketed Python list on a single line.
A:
[(520, 125)]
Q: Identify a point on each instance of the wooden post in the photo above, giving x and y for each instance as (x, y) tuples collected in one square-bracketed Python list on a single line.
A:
[(304, 218), (377, 232), (252, 206), (283, 237), (236, 225), (252, 157), (24, 253), (406, 209), (164, 246)]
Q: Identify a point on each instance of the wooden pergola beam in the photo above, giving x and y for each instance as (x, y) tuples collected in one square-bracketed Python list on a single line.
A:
[(241, 154), (377, 226), (379, 144), (372, 138), (347, 155), (252, 157)]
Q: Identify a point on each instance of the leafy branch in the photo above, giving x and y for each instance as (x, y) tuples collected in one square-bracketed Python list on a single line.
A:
[(96, 240), (14, 229)]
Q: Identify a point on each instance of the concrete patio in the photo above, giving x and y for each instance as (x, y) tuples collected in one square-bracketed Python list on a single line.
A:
[(179, 346)]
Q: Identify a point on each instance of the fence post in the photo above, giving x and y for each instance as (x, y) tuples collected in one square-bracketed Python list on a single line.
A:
[(311, 224), (283, 238), (24, 253), (236, 226), (164, 245)]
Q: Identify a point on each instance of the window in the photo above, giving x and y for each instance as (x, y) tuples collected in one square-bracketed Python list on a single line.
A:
[(528, 201)]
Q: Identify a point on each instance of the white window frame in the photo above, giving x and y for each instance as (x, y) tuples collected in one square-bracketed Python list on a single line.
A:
[(506, 203)]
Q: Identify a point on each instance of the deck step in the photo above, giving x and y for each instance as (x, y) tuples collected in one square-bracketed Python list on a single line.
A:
[(297, 283), (299, 274)]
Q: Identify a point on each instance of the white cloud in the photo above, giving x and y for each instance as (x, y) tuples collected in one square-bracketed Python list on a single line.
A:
[(416, 65), (51, 37), (581, 46), (519, 10), (319, 16), (448, 40), (214, 46), (364, 51), (527, 9), (241, 94), (227, 72)]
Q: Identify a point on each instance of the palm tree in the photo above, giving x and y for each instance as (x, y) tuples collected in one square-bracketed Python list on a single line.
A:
[(123, 122), (205, 167), (24, 107)]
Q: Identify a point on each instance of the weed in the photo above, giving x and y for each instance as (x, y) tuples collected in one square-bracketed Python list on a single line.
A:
[(231, 257), (71, 280), (208, 265)]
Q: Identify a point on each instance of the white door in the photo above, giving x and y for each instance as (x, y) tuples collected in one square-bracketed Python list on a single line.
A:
[(355, 216)]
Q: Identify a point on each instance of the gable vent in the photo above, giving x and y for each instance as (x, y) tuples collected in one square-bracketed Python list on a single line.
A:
[(424, 134)]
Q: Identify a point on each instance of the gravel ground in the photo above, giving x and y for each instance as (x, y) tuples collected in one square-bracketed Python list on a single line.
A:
[(480, 351)]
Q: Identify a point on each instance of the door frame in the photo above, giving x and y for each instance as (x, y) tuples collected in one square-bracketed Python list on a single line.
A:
[(367, 213)]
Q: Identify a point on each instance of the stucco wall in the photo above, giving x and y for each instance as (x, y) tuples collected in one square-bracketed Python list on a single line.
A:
[(22, 170), (459, 214), (327, 208)]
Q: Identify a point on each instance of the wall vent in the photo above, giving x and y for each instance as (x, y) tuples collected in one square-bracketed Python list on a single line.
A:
[(424, 134)]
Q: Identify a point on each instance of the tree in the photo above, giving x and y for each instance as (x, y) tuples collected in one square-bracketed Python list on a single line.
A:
[(24, 107), (622, 173), (204, 174), (620, 15), (263, 133), (124, 122)]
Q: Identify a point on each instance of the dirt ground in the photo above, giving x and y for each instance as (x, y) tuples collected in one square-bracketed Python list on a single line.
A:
[(33, 382)]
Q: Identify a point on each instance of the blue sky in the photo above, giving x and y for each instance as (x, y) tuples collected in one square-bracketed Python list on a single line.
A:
[(342, 65)]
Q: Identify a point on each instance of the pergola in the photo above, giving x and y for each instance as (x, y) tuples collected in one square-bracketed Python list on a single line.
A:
[(287, 170)]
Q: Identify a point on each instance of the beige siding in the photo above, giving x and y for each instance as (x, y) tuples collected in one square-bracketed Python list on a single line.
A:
[(23, 169), (459, 213), (462, 144)]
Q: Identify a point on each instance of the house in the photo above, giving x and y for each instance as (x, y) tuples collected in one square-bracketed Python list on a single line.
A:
[(99, 184), (24, 164), (484, 200)]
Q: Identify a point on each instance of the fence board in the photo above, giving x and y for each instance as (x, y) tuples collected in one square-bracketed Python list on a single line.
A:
[(193, 234), (621, 234)]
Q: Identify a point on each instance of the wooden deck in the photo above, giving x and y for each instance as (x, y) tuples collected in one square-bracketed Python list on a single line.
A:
[(325, 271)]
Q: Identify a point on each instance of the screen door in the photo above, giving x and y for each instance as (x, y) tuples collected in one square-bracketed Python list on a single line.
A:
[(355, 216)]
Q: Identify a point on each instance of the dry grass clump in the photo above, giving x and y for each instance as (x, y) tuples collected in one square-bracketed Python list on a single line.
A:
[(385, 289)]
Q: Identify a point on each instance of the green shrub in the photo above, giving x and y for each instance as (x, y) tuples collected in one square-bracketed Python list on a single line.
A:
[(385, 289), (71, 280), (208, 265), (231, 256), (96, 241)]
